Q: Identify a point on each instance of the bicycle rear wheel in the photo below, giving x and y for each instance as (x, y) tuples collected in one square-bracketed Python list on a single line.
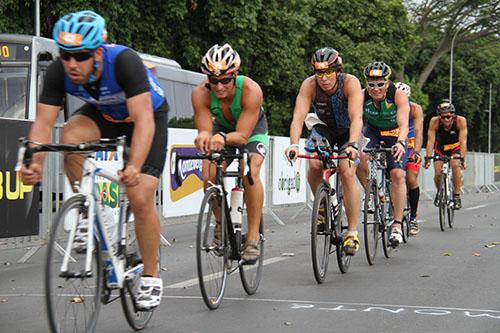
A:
[(251, 274), (371, 221), (136, 319), (211, 252), (73, 296), (320, 233), (341, 226)]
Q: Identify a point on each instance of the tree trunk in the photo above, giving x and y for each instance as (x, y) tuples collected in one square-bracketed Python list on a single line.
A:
[(440, 51)]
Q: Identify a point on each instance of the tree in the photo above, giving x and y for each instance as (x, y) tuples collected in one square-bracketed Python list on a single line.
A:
[(443, 22)]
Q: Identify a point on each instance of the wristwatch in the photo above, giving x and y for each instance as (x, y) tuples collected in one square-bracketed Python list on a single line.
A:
[(224, 135), (353, 145), (402, 143)]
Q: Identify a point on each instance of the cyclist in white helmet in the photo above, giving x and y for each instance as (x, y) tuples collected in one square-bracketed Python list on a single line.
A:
[(415, 137), (235, 103)]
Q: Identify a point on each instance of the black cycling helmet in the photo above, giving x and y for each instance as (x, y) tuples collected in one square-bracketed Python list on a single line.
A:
[(326, 58), (445, 106), (377, 70)]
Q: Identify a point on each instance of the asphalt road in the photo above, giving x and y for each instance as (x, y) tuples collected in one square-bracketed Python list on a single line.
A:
[(438, 282)]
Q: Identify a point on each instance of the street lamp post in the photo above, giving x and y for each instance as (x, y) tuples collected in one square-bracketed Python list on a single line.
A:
[(489, 121), (451, 65)]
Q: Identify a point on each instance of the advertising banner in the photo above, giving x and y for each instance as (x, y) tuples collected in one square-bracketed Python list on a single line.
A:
[(289, 183), (184, 198), (19, 203)]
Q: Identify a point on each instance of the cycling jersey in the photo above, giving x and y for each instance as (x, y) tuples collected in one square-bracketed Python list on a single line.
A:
[(332, 109), (447, 142), (385, 117), (109, 94), (259, 133)]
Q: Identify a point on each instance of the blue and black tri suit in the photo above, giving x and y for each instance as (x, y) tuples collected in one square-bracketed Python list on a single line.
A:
[(124, 76)]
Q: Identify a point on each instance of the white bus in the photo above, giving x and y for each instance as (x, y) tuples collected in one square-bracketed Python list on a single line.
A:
[(24, 60)]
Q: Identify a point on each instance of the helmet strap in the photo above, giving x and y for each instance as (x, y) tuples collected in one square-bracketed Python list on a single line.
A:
[(92, 77)]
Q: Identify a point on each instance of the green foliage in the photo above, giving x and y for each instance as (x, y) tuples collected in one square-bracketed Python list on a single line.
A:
[(275, 39)]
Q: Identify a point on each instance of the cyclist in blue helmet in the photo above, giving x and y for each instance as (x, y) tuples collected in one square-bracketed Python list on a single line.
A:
[(121, 97)]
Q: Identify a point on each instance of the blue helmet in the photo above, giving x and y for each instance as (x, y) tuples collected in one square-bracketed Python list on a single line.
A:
[(84, 30)]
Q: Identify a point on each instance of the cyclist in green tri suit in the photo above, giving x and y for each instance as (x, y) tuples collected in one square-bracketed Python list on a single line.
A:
[(228, 110), (385, 113)]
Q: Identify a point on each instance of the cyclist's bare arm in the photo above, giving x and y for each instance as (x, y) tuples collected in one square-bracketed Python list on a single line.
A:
[(251, 102), (431, 136), (418, 125), (462, 135), (403, 110), (302, 106), (200, 99), (352, 91), (140, 110), (41, 130)]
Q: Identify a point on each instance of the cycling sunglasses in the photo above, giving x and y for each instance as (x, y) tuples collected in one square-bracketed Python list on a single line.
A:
[(78, 56), (446, 117), (224, 80), (376, 84), (322, 74)]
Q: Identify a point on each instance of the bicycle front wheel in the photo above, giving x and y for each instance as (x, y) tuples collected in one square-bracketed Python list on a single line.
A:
[(72, 294), (371, 221), (341, 226), (251, 274), (211, 250), (443, 198), (320, 233)]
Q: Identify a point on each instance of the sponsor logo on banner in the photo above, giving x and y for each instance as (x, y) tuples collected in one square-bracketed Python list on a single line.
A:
[(289, 184), (189, 171)]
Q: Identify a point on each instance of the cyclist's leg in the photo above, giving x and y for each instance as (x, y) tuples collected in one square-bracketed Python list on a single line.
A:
[(86, 124), (147, 221), (398, 191), (314, 173), (258, 146), (362, 171), (412, 171), (254, 194), (456, 168)]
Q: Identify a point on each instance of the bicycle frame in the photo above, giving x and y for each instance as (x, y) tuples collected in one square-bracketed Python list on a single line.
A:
[(114, 263)]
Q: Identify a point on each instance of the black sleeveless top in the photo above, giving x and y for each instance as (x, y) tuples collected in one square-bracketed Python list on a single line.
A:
[(444, 137), (332, 109)]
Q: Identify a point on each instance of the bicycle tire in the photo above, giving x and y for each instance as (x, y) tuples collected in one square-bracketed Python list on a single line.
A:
[(251, 275), (211, 260), (371, 225), (387, 216), (443, 198), (340, 226), (136, 319), (320, 240), (72, 301)]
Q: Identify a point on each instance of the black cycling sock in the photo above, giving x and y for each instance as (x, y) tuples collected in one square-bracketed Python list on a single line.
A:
[(414, 194), (147, 275)]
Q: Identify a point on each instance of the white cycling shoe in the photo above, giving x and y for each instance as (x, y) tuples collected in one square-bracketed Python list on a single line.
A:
[(148, 293), (396, 237)]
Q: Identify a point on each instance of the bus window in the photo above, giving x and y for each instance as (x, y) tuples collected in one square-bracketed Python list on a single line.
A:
[(13, 89)]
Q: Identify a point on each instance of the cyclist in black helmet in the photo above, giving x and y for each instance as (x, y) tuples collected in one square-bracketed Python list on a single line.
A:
[(386, 111), (337, 101), (447, 135)]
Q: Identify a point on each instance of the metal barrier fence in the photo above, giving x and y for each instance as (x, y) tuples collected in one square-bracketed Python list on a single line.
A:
[(480, 176)]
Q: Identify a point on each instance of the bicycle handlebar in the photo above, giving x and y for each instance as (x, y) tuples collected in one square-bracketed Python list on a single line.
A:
[(444, 158), (25, 153)]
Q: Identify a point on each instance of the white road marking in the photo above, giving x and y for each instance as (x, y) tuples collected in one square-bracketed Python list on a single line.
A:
[(476, 207), (192, 282)]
